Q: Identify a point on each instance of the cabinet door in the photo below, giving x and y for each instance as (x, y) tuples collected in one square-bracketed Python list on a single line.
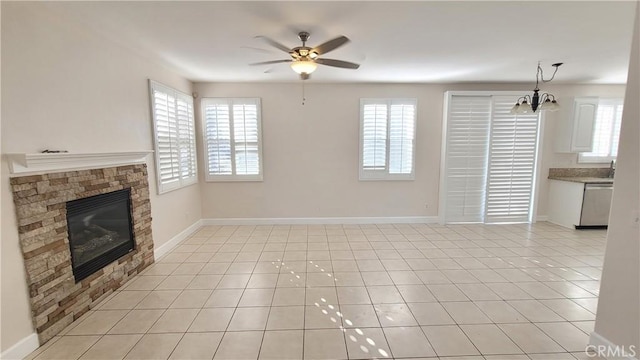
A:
[(584, 116)]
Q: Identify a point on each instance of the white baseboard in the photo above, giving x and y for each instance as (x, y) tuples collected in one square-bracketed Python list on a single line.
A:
[(322, 220), (598, 340), (160, 251), (22, 348)]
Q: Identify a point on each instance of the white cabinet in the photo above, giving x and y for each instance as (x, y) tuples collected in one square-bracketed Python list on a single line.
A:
[(575, 124), (565, 202)]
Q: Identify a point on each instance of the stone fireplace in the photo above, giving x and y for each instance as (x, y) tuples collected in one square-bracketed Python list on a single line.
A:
[(56, 240)]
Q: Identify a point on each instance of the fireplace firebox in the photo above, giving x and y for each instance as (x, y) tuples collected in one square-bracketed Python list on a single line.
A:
[(100, 231)]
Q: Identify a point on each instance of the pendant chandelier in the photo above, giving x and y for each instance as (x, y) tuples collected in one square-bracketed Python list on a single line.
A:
[(530, 104)]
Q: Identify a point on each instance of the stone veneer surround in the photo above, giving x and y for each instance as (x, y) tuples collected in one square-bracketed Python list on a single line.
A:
[(40, 200)]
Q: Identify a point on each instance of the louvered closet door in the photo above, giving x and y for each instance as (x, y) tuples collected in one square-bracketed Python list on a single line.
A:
[(468, 125), (512, 160)]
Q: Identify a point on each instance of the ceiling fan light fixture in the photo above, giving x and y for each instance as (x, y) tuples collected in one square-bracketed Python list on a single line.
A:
[(304, 66)]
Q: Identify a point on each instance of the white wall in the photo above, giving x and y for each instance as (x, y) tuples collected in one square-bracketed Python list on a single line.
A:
[(65, 88), (311, 151), (618, 319)]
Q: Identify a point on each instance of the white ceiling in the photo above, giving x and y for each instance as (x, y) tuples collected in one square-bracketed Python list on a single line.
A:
[(416, 41)]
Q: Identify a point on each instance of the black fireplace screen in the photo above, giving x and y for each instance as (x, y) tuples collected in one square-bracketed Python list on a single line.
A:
[(100, 231)]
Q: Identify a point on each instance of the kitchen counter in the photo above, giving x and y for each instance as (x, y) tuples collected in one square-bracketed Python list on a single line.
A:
[(583, 179)]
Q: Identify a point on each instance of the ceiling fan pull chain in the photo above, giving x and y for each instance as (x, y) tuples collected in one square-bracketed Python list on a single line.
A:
[(303, 98)]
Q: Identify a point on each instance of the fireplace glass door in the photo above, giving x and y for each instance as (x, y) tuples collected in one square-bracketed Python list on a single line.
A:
[(100, 231)]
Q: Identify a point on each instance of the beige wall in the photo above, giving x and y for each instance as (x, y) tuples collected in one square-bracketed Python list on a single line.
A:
[(618, 318), (66, 88), (311, 155), (311, 152)]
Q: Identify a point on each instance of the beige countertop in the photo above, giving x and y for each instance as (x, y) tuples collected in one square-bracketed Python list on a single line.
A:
[(583, 179)]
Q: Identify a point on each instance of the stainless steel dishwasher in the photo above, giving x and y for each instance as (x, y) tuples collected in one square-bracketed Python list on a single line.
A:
[(596, 204)]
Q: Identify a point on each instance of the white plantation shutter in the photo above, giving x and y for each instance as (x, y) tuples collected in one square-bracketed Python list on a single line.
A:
[(245, 130), (174, 129), (186, 140), (218, 138), (401, 135), (387, 138), (606, 132), (512, 157), (233, 139), (468, 123), (374, 137)]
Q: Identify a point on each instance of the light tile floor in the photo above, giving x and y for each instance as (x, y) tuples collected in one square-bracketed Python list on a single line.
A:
[(353, 291)]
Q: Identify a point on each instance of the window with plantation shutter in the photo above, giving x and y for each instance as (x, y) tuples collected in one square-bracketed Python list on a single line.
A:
[(232, 134), (387, 139), (489, 159), (606, 132), (174, 140)]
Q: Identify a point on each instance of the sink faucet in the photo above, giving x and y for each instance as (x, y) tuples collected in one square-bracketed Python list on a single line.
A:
[(612, 169)]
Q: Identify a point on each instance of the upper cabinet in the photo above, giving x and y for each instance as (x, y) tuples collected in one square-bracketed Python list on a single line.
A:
[(574, 125)]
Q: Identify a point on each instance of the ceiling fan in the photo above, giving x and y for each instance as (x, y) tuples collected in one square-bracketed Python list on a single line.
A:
[(304, 60)]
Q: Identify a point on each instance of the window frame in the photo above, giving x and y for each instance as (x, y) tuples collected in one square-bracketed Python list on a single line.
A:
[(182, 182), (232, 177), (384, 175), (583, 159)]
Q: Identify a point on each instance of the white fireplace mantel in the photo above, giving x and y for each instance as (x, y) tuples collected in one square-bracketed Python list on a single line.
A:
[(43, 163)]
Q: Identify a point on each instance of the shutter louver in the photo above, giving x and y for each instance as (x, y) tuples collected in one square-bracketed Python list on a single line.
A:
[(174, 137), (468, 126), (512, 157)]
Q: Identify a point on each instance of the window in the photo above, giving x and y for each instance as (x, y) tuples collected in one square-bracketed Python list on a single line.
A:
[(175, 139), (606, 133), (232, 134), (387, 139)]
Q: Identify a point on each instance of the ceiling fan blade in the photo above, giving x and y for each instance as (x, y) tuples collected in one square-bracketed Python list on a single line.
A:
[(270, 62), (274, 43), (338, 63), (331, 45)]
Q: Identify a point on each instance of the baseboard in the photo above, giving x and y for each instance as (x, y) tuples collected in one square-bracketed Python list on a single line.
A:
[(22, 348), (160, 251), (596, 340), (322, 220)]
